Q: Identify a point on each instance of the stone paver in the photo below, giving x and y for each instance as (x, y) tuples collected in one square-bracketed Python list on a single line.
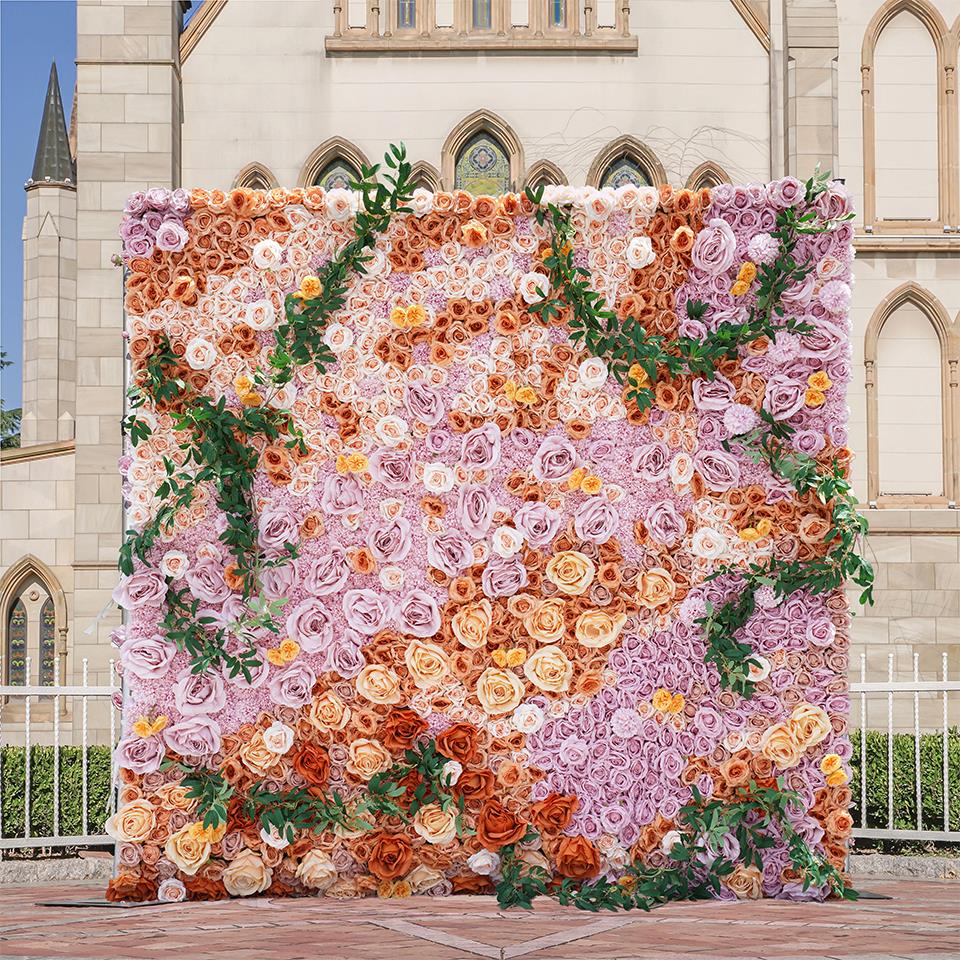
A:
[(921, 921)]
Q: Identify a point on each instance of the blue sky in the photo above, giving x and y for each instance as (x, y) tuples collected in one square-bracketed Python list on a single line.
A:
[(32, 33)]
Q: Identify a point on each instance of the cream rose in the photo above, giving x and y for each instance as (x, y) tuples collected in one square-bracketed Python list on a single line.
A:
[(316, 870), (745, 882), (534, 287), (471, 623), (200, 354), (549, 669), (592, 373), (246, 875), (546, 622), (655, 587), (267, 254), (780, 747), (427, 664), (174, 564), (596, 628), (188, 849), (133, 823), (328, 712), (435, 824), (368, 757), (571, 572), (499, 691), (378, 684), (809, 724), (438, 477), (278, 738), (423, 878), (640, 253)]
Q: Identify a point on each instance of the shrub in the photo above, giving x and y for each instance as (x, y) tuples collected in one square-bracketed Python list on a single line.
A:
[(41, 790)]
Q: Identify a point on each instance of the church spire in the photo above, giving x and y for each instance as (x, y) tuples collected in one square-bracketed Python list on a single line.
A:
[(53, 162)]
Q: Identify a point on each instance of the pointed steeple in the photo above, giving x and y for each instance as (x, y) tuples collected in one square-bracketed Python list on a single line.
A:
[(53, 161)]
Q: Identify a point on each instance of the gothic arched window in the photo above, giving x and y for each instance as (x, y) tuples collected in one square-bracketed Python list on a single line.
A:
[(17, 649), (482, 166), (623, 172), (338, 174), (31, 634)]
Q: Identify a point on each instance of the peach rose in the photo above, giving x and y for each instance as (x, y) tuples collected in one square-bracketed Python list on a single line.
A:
[(809, 724), (471, 623), (549, 668), (499, 691), (571, 572), (246, 875), (655, 587), (745, 882), (780, 747), (596, 628), (427, 664), (316, 870), (378, 684), (328, 712), (546, 622), (188, 849), (435, 824), (368, 757), (133, 823)]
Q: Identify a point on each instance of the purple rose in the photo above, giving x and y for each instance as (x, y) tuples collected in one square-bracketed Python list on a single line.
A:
[(418, 614), (345, 656), (136, 204), (475, 509), (172, 236), (825, 342), (481, 447), (365, 611), (277, 526), (537, 522), (555, 460), (139, 754), (595, 520), (158, 198), (148, 658), (715, 247), (179, 201), (719, 470), (390, 543), (146, 588), (206, 582), (821, 632), (810, 442), (785, 192), (138, 246), (503, 577), (152, 220), (310, 624), (293, 687), (783, 397), (199, 693), (715, 394), (193, 737), (664, 523), (651, 461), (277, 582), (450, 552), (342, 494), (326, 574), (131, 229), (393, 468), (423, 403)]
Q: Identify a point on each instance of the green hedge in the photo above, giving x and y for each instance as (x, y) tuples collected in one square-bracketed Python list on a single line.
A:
[(41, 790), (905, 780)]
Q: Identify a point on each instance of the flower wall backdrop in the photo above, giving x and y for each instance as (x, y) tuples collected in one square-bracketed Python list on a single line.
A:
[(418, 580)]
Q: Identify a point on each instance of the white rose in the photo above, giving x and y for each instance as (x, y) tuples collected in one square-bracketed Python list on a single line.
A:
[(278, 738), (392, 430), (201, 354), (760, 670), (267, 254), (260, 315), (559, 194), (174, 564), (592, 373), (618, 858), (392, 578), (640, 253), (341, 204), (670, 839), (450, 773), (283, 398), (534, 287), (274, 838), (338, 337), (421, 203), (507, 541), (528, 718), (484, 862), (708, 544), (438, 477)]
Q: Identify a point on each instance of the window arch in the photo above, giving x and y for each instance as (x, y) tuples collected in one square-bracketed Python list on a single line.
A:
[(333, 164), (482, 147), (425, 176), (255, 176), (545, 173), (910, 358), (626, 160), (33, 620), (906, 125), (708, 174)]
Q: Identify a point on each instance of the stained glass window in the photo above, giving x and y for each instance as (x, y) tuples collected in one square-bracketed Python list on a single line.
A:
[(48, 643), (17, 645), (624, 171), (558, 13), (406, 14), (483, 166), (337, 175), (481, 14)]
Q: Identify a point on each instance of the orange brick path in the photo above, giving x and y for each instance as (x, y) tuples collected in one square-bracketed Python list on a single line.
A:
[(922, 921)]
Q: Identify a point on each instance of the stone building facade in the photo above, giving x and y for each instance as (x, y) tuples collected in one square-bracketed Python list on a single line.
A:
[(495, 94)]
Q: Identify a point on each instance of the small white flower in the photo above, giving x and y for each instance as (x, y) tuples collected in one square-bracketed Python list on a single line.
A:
[(640, 253), (392, 578), (670, 839), (392, 430), (708, 544), (484, 862), (450, 773), (341, 204)]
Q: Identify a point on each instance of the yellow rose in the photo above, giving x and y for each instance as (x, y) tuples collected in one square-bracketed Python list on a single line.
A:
[(416, 315), (311, 288), (357, 462), (750, 534), (471, 623), (242, 384), (526, 395), (316, 870), (820, 380), (328, 712), (780, 747), (596, 628), (830, 763), (576, 478), (748, 272), (246, 875), (368, 757), (398, 317), (591, 484), (379, 684), (549, 669), (809, 724), (435, 824), (638, 376), (677, 703), (546, 622), (427, 664), (837, 779), (571, 572), (289, 650), (655, 587), (739, 288), (499, 691), (814, 398), (662, 700), (764, 526), (188, 849), (133, 823)]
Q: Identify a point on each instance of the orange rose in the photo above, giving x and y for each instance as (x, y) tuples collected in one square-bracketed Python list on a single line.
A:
[(497, 827), (459, 743), (475, 785), (554, 813), (401, 728), (577, 857), (391, 856), (312, 762)]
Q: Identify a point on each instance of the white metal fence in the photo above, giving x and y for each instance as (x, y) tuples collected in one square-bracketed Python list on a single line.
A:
[(70, 719)]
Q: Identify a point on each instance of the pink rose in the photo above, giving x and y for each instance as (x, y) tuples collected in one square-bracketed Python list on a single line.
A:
[(538, 523), (719, 470), (783, 397), (325, 575), (595, 520), (342, 494), (715, 247), (146, 588), (293, 687), (199, 693), (139, 754), (652, 462), (148, 658), (715, 394), (555, 460), (503, 577), (786, 192), (393, 468), (481, 447), (278, 526), (450, 552), (664, 523), (475, 509), (418, 614), (310, 624), (193, 737), (423, 403), (206, 582), (390, 543), (365, 611)]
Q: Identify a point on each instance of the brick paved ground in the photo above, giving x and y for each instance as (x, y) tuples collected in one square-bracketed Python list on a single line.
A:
[(922, 921)]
